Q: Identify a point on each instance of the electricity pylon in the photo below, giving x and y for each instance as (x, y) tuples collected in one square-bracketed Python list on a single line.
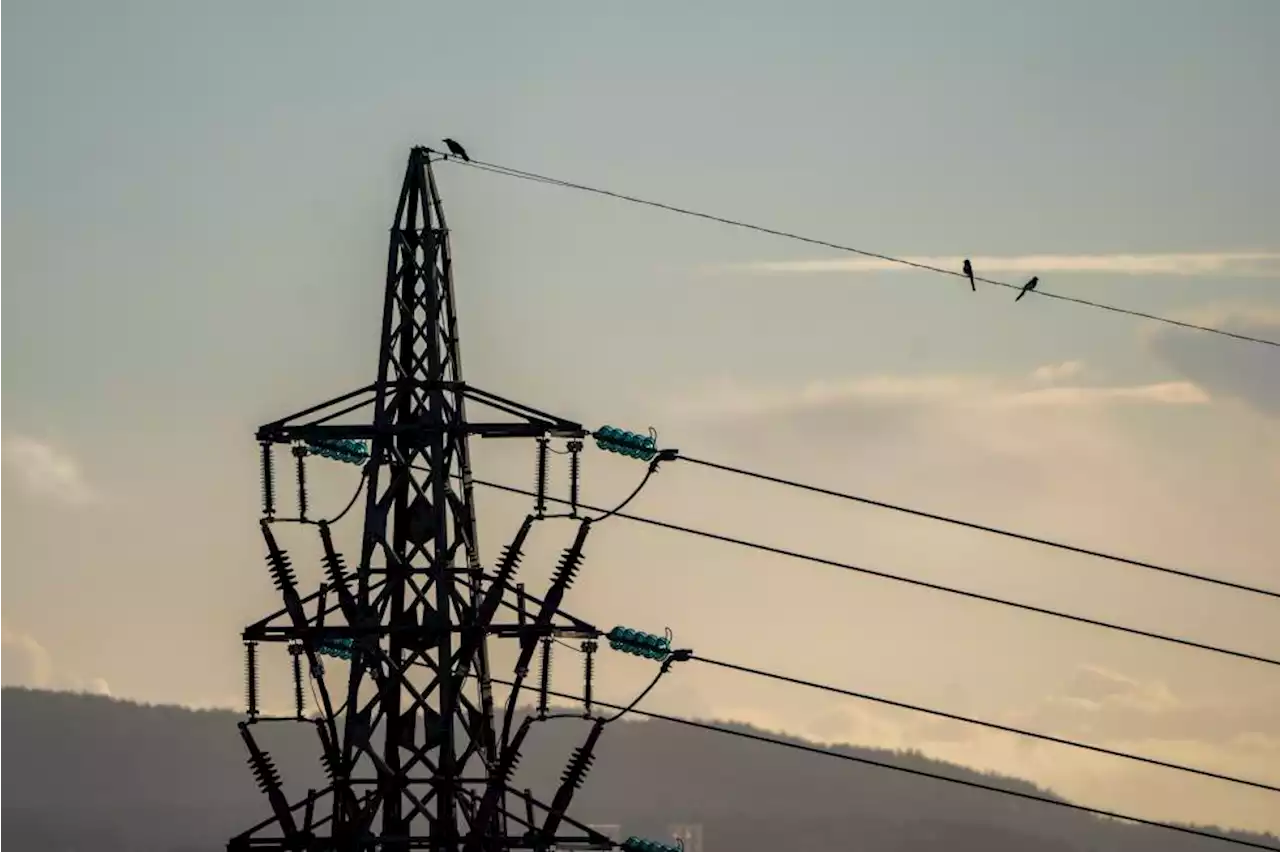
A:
[(413, 753)]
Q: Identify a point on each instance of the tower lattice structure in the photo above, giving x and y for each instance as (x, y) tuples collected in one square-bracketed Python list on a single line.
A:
[(409, 733)]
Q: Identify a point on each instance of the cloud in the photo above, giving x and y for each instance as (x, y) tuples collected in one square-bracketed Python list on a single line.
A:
[(1240, 264), (1012, 448), (1096, 687), (731, 400), (1051, 373), (26, 662), (47, 471), (1056, 451), (1094, 702), (1161, 393), (97, 686), (983, 447), (1106, 706), (229, 701), (1096, 705), (1237, 369)]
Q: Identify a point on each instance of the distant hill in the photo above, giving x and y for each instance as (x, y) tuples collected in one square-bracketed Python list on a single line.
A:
[(94, 774)]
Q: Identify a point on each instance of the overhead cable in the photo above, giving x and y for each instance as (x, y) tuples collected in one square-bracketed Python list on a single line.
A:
[(995, 726), (1097, 554), (866, 761), (884, 575), (508, 171)]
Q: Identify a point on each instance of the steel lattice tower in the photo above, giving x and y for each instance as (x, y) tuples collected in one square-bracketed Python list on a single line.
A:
[(414, 754)]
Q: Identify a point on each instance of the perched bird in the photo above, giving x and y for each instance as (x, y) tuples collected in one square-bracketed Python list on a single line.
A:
[(968, 270), (1028, 287), (457, 150)]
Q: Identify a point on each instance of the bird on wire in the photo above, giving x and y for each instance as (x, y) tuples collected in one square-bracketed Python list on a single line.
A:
[(1027, 288), (968, 271)]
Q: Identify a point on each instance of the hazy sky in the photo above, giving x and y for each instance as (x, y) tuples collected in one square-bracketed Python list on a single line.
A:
[(196, 214)]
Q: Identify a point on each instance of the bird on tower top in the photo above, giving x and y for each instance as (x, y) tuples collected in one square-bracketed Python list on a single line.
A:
[(457, 150)]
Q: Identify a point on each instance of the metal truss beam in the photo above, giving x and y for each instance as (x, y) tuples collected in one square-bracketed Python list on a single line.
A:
[(412, 748)]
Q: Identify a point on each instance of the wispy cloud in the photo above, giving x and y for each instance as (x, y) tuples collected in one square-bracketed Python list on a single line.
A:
[(1227, 313), (730, 399), (26, 662), (1160, 393), (1245, 373), (46, 470), (1243, 264), (1096, 687), (1096, 705), (1050, 373)]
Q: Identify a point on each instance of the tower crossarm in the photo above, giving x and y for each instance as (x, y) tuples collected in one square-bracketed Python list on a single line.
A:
[(395, 647)]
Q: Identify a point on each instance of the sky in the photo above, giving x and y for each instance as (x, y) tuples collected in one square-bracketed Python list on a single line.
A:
[(196, 214)]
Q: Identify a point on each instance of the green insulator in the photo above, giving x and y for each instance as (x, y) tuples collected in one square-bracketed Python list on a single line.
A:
[(643, 844), (344, 450), (622, 442), (340, 648), (638, 643), (356, 450)]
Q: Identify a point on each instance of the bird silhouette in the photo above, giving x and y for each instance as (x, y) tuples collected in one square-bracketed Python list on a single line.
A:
[(457, 150), (968, 270), (1028, 287)]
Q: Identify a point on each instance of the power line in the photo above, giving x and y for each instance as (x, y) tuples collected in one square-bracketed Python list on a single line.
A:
[(866, 761), (533, 176), (819, 560), (982, 527), (955, 717), (981, 723)]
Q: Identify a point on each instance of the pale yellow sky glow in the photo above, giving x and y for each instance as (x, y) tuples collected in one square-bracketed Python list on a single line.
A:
[(196, 222), (1252, 264)]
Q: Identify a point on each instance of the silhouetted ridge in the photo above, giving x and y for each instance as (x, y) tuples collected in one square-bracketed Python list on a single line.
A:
[(95, 773)]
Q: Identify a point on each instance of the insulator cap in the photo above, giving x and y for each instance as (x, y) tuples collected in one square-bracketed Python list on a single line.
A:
[(268, 482), (264, 771), (639, 643), (575, 475), (643, 844), (351, 452), (300, 455), (299, 697), (251, 678), (541, 499), (339, 648), (544, 679), (281, 567), (629, 444)]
